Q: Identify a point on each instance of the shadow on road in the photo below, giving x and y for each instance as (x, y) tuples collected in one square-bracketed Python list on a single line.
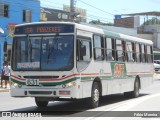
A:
[(69, 108)]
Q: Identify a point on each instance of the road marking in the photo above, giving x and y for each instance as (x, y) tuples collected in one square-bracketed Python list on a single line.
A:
[(124, 106)]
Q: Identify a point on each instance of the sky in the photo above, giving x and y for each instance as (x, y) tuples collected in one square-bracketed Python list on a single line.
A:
[(106, 9)]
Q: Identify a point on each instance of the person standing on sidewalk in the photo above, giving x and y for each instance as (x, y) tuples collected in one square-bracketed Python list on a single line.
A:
[(7, 72), (2, 76)]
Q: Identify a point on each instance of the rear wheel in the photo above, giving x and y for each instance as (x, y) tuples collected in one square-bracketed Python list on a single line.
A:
[(40, 103), (95, 95), (135, 92)]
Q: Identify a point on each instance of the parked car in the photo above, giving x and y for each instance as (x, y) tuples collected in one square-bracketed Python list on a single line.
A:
[(157, 61), (156, 67)]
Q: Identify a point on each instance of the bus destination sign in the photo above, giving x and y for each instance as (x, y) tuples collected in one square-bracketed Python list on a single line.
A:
[(44, 29)]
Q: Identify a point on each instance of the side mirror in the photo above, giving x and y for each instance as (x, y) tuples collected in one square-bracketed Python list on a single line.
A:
[(5, 46)]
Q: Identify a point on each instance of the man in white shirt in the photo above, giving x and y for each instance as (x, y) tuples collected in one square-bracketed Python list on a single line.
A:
[(7, 72)]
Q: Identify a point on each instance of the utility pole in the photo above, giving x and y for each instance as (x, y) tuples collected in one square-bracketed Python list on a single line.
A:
[(72, 10)]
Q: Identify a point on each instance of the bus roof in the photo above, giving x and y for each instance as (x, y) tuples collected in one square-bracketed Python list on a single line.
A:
[(156, 52), (96, 30), (113, 34)]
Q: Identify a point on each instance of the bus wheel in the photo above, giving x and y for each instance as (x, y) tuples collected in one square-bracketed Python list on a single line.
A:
[(95, 95), (135, 92), (40, 103)]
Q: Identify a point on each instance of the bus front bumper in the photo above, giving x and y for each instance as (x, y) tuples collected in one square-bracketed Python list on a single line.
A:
[(44, 92)]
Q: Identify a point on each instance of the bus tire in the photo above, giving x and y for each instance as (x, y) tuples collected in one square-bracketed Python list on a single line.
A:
[(95, 95), (135, 92), (40, 103)]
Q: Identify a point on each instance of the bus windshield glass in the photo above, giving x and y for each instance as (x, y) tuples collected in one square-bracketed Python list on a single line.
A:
[(43, 53)]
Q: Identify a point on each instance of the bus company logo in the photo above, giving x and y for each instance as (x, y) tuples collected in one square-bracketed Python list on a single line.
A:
[(6, 114), (119, 70), (17, 114)]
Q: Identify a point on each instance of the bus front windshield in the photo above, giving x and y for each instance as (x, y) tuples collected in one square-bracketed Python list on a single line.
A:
[(43, 53)]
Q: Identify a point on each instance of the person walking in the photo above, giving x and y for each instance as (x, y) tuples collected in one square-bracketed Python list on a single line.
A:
[(2, 76), (7, 72)]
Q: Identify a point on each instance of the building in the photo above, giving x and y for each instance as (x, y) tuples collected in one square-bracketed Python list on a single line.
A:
[(48, 14), (127, 22), (146, 23), (80, 13), (13, 12)]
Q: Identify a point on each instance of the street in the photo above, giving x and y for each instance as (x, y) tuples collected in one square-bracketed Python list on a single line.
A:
[(148, 101)]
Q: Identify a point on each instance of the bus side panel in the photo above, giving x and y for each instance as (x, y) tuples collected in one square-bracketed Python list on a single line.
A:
[(117, 86), (147, 79), (86, 90), (143, 70)]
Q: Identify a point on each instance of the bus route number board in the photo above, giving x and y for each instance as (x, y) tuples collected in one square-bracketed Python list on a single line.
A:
[(32, 82)]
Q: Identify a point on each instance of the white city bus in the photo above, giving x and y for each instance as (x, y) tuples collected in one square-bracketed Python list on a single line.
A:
[(54, 61)]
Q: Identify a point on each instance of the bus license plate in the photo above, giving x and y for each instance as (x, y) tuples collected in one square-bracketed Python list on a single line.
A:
[(32, 82)]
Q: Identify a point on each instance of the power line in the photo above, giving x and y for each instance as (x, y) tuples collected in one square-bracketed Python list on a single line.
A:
[(95, 7), (47, 5), (99, 17), (90, 16)]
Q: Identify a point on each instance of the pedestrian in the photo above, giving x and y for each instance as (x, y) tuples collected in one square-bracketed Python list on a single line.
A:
[(7, 72), (2, 76)]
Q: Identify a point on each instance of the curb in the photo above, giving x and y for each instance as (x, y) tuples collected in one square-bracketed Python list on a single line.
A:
[(4, 90)]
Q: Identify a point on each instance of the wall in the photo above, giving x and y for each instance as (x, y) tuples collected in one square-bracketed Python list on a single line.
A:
[(148, 37), (128, 22), (16, 8)]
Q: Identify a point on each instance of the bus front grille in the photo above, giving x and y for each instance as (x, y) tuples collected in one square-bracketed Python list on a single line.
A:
[(40, 92)]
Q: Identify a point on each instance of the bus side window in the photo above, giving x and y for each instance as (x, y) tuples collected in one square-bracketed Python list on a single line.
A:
[(84, 53), (143, 57), (129, 51), (83, 50), (145, 53), (119, 49), (138, 57), (109, 56), (134, 52), (149, 54), (124, 53), (98, 47), (114, 52)]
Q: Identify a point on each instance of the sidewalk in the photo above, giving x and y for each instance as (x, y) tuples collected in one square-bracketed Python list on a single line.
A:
[(5, 89), (156, 75)]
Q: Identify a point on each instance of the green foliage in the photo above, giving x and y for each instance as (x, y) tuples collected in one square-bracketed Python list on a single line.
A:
[(98, 22), (152, 21)]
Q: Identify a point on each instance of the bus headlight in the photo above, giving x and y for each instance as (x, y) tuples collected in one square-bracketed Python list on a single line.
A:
[(13, 84), (70, 84)]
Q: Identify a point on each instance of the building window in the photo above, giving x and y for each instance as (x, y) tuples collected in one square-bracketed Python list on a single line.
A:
[(4, 10), (26, 15)]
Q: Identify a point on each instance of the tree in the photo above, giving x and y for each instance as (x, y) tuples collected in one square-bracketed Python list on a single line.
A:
[(98, 22), (151, 21)]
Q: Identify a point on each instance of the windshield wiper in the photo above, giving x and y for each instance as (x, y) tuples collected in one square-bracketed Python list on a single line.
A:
[(49, 54)]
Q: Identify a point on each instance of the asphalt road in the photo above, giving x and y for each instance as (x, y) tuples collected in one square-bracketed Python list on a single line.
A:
[(118, 105)]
